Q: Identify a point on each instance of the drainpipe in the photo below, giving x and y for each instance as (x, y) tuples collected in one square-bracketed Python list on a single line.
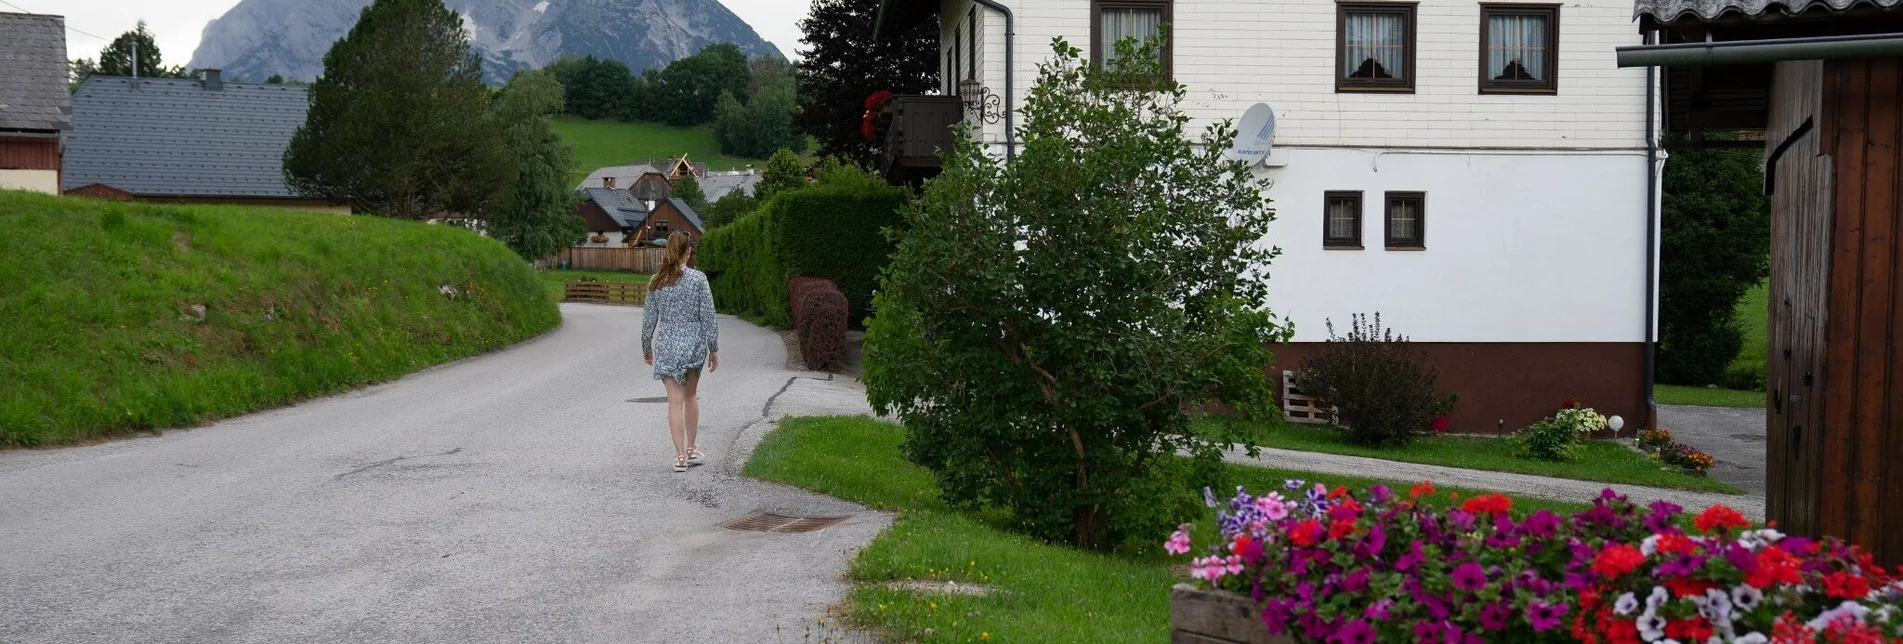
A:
[(1735, 52), (1651, 235), (1010, 86)]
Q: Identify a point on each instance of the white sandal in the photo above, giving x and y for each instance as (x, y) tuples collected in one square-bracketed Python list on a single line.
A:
[(680, 463), (694, 455)]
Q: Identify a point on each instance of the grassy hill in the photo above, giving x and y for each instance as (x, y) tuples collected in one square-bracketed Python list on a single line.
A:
[(122, 317), (605, 143)]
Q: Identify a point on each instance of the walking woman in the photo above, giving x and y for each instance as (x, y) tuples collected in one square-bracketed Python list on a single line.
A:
[(679, 335)]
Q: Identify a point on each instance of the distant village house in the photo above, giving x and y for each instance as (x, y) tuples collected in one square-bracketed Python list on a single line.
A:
[(35, 112)]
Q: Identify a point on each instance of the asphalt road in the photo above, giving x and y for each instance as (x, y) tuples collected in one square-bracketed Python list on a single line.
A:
[(1733, 436), (515, 497)]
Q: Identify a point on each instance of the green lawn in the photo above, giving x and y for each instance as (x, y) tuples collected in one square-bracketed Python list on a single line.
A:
[(122, 317), (1038, 592), (606, 142), (553, 280), (1602, 461), (1706, 397), (1754, 316)]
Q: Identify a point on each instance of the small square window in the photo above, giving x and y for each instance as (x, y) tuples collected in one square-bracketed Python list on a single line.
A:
[(1341, 220), (1374, 47), (1112, 21), (1407, 220), (1519, 49)]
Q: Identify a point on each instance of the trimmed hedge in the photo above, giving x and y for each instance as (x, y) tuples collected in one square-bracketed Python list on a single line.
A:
[(822, 313), (828, 231)]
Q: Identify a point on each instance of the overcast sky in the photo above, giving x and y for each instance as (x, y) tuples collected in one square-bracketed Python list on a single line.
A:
[(178, 23)]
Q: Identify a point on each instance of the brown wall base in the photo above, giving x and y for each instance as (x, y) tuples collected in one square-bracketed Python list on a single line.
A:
[(1504, 386)]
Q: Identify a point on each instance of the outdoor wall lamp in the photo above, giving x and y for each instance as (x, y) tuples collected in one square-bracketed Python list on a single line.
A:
[(980, 102)]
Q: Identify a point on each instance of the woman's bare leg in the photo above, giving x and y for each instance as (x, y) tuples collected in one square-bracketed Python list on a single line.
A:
[(676, 413), (692, 412)]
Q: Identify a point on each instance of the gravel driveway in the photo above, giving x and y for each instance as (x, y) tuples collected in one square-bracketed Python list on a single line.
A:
[(1734, 437)]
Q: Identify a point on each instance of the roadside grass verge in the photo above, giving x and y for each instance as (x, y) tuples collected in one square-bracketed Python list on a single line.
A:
[(553, 280), (1036, 592), (1602, 461), (1706, 397), (122, 317)]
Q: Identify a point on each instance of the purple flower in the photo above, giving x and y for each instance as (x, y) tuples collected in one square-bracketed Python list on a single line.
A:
[(1371, 546), (1681, 566), (1542, 523), (1293, 484), (1275, 615), (1356, 581), (1435, 608), (1381, 610), (1543, 616), (1355, 632), (1470, 577), (1413, 558), (1380, 493), (1741, 558), (1208, 497), (1460, 521), (1428, 632), (1663, 515), (1494, 617)]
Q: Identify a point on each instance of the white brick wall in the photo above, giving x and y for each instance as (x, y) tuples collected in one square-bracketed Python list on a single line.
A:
[(1234, 53)]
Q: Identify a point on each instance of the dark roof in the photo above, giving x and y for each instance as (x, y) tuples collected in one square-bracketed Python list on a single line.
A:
[(33, 73), (688, 212), (618, 204), (173, 137), (1667, 11)]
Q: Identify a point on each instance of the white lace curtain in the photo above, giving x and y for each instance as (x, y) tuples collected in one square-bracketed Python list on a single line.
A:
[(1376, 45), (1342, 217), (1118, 24), (1517, 48)]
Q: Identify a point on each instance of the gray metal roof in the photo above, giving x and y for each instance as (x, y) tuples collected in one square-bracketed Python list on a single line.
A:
[(1675, 10), (718, 184), (173, 137), (688, 212), (33, 73), (619, 205)]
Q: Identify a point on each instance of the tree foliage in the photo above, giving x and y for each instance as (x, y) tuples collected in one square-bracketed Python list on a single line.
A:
[(1044, 326), (594, 88), (535, 216), (783, 173), (688, 189), (764, 123), (398, 123), (119, 56), (80, 69), (728, 209), (686, 92), (1715, 246), (842, 65)]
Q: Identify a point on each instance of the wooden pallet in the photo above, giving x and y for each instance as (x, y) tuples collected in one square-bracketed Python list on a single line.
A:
[(1301, 407), (623, 293)]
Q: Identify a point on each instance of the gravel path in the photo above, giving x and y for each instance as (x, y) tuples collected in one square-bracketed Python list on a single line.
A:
[(521, 496), (1733, 436)]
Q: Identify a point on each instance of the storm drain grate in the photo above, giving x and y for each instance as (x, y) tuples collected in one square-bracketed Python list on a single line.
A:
[(1755, 438), (768, 522), (653, 399)]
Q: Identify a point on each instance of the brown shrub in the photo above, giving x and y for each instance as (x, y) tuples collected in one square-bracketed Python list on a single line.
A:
[(822, 312), (798, 287)]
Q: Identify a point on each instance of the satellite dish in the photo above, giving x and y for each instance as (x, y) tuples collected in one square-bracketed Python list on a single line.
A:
[(1255, 134)]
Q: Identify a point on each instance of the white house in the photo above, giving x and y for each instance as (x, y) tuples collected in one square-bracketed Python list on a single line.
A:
[(1477, 172)]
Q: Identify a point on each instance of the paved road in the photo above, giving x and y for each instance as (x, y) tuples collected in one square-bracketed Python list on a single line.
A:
[(1734, 437), (514, 497)]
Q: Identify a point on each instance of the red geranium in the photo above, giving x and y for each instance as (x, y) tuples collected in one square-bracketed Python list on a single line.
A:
[(1426, 488), (1617, 560), (1438, 424), (1495, 503), (1306, 533), (1846, 586), (1719, 517), (1341, 528), (1568, 403)]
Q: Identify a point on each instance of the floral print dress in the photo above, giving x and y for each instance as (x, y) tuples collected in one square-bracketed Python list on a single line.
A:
[(678, 326)]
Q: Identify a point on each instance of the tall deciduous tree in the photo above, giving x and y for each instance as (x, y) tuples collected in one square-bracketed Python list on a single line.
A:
[(535, 216), (1044, 327), (594, 88), (1715, 245), (843, 64), (398, 123), (685, 92)]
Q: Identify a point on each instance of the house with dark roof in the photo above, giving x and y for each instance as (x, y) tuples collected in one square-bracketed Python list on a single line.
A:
[(35, 112), (1820, 84), (652, 179), (179, 140), (617, 217)]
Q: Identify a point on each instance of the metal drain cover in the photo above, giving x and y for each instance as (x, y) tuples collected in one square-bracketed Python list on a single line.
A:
[(650, 399), (777, 523)]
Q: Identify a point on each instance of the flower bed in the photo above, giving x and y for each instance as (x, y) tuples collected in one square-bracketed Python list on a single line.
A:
[(1324, 565), (1659, 444)]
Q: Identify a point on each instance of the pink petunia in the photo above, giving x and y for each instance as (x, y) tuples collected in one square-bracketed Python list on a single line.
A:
[(1179, 541)]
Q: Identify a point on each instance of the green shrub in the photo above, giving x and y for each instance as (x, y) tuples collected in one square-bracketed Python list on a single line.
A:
[(1714, 246), (744, 269), (105, 334), (1560, 436), (1383, 391), (837, 231)]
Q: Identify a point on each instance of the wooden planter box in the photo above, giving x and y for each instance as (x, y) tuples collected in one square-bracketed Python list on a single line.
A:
[(1216, 617)]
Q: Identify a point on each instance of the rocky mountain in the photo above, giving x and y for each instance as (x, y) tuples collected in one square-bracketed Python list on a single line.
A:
[(259, 38)]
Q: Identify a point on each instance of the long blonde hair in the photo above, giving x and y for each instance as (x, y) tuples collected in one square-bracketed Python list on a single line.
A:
[(679, 246)]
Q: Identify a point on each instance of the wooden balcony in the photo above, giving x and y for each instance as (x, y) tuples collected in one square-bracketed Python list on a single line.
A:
[(921, 129)]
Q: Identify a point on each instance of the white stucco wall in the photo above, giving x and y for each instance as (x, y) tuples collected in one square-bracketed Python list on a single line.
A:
[(1539, 247), (1234, 53), (46, 181)]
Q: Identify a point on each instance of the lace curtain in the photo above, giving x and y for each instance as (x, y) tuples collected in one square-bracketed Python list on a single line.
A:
[(1342, 219), (1376, 45), (1516, 48), (1118, 24)]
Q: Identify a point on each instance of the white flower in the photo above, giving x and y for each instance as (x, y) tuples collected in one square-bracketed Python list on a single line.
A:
[(1651, 626), (1657, 599), (1650, 546), (1852, 609), (1752, 638), (1717, 606), (1746, 598), (1883, 614), (1626, 604)]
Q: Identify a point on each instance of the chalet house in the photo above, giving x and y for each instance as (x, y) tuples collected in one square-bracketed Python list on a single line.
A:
[(655, 178), (618, 217), (1503, 127), (1818, 82), (171, 140), (35, 111)]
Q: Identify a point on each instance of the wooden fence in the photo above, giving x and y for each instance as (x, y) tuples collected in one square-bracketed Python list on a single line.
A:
[(1301, 407), (623, 293), (626, 260)]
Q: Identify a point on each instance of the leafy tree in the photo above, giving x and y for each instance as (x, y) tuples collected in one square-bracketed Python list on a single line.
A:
[(535, 216), (398, 122), (595, 88), (842, 66), (81, 69), (118, 57), (686, 91), (275, 79), (764, 123), (783, 173), (1715, 245), (728, 208), (688, 189), (1044, 327)]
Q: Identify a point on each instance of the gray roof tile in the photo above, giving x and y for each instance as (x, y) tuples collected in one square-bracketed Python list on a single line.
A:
[(688, 212), (1675, 10), (173, 137), (618, 204), (33, 73)]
